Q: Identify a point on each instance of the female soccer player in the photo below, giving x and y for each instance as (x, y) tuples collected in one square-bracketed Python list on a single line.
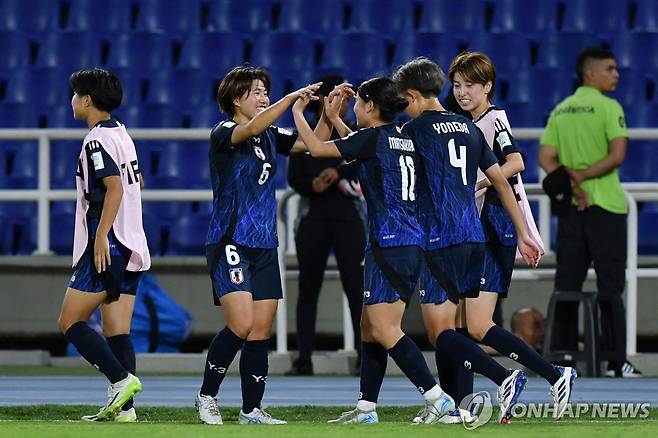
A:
[(110, 251), (451, 150), (241, 246), (474, 76), (386, 171)]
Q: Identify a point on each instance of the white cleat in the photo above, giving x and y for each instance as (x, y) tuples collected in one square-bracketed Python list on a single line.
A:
[(356, 416), (458, 416), (208, 410), (128, 416), (118, 395), (508, 394), (259, 416), (561, 391), (436, 410)]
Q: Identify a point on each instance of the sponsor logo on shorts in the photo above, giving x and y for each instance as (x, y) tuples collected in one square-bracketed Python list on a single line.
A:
[(236, 275)]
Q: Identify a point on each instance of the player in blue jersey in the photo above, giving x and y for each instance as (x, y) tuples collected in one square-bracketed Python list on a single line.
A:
[(387, 160), (241, 245), (451, 149), (473, 76)]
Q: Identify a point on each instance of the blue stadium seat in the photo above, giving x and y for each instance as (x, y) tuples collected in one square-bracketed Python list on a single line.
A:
[(177, 165), (641, 161), (318, 17), (108, 17), (642, 116), (134, 85), (631, 50), (19, 165), (154, 234), (62, 227), (389, 18), (205, 116), (526, 114), (529, 17), (646, 16), (149, 116), (216, 52), (530, 151), (64, 163), (188, 235), (597, 16), (544, 87), (18, 231), (141, 51), (648, 238), (47, 87), (285, 51), (29, 16), (18, 115), (15, 49), (458, 18), (61, 117), (169, 16), (508, 51), (560, 49), (158, 219), (439, 47), (244, 16), (360, 55), (185, 89), (632, 88), (69, 51)]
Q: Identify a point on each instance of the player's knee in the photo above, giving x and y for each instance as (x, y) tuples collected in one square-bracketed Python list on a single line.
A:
[(64, 323), (242, 329), (115, 329), (477, 331)]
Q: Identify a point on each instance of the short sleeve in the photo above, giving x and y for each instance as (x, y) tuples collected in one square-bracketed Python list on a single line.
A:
[(285, 139), (504, 138), (549, 137), (220, 136), (487, 157), (359, 145), (615, 124), (101, 163)]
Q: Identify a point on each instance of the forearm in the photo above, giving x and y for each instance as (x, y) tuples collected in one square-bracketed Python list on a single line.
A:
[(111, 205), (340, 126), (261, 121), (548, 159), (602, 167), (507, 198)]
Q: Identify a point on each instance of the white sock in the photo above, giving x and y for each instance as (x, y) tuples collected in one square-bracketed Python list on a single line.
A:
[(433, 394), (366, 406)]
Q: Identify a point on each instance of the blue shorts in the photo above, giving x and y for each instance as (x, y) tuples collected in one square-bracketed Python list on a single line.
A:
[(451, 273), (115, 280), (390, 274), (500, 249), (235, 268)]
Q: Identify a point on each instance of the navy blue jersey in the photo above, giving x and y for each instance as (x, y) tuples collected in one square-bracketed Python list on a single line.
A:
[(451, 149), (244, 205), (386, 160)]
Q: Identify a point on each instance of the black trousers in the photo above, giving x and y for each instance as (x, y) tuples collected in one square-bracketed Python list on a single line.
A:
[(599, 237), (314, 241)]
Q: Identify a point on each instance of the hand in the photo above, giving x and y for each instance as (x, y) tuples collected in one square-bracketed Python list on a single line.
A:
[(307, 91), (101, 253), (300, 105), (319, 185), (580, 196), (329, 175), (529, 250), (577, 176), (334, 102)]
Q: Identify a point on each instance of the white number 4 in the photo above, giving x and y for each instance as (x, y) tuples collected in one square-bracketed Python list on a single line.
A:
[(408, 178), (264, 174), (458, 161), (232, 256)]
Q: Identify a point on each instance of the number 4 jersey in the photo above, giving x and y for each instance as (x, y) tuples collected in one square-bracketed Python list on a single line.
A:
[(244, 203), (451, 149)]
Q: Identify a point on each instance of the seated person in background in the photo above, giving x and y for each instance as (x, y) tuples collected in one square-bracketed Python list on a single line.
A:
[(528, 324)]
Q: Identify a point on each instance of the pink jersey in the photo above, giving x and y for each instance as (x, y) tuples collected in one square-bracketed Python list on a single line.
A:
[(496, 129), (114, 139)]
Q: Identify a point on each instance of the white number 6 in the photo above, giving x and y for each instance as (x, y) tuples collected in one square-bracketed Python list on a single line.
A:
[(232, 255), (264, 174)]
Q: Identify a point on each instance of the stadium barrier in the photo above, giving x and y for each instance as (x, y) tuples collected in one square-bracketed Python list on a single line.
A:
[(43, 195)]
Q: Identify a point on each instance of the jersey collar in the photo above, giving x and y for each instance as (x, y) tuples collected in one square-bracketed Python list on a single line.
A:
[(585, 90), (110, 123)]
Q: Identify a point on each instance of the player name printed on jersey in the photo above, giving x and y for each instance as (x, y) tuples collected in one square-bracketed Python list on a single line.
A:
[(401, 144), (450, 127)]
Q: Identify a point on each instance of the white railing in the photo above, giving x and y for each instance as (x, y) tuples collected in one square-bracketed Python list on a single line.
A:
[(43, 195)]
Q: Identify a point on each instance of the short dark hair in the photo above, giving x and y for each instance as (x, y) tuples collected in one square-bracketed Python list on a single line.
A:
[(101, 85), (328, 83), (238, 82), (420, 74), (382, 92), (475, 67), (588, 53)]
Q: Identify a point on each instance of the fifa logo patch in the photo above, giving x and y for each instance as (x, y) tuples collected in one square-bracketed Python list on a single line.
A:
[(236, 275)]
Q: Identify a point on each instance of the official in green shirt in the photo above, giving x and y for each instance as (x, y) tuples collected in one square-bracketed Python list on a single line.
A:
[(586, 133)]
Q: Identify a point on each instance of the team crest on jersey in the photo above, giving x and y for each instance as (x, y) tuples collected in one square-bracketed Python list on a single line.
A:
[(236, 275), (259, 152)]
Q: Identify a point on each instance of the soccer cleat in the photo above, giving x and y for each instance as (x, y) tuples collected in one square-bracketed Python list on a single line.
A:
[(508, 394), (627, 370), (128, 416), (356, 416), (259, 416), (561, 391), (457, 416), (118, 395), (434, 411), (208, 410)]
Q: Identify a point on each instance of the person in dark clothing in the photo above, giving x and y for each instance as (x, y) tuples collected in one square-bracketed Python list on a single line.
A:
[(330, 219)]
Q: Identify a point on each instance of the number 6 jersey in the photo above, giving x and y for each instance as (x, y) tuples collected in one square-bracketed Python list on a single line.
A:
[(244, 203)]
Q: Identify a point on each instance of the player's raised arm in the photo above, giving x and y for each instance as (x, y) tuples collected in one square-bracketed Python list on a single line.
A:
[(315, 146)]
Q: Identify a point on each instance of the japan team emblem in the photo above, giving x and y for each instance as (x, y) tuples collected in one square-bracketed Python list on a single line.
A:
[(236, 275), (259, 153)]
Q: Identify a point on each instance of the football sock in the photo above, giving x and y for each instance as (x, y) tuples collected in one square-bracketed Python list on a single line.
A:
[(122, 347), (373, 367), (408, 357), (253, 373), (223, 348), (96, 351)]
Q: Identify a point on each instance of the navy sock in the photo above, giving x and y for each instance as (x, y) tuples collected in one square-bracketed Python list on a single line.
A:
[(447, 371), (95, 350), (516, 349), (122, 347), (373, 367), (223, 348), (464, 375), (408, 357), (467, 354), (253, 373)]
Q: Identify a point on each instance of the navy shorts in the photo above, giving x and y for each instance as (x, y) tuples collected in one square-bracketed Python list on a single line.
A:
[(390, 274), (500, 249), (451, 273), (115, 280), (234, 267)]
